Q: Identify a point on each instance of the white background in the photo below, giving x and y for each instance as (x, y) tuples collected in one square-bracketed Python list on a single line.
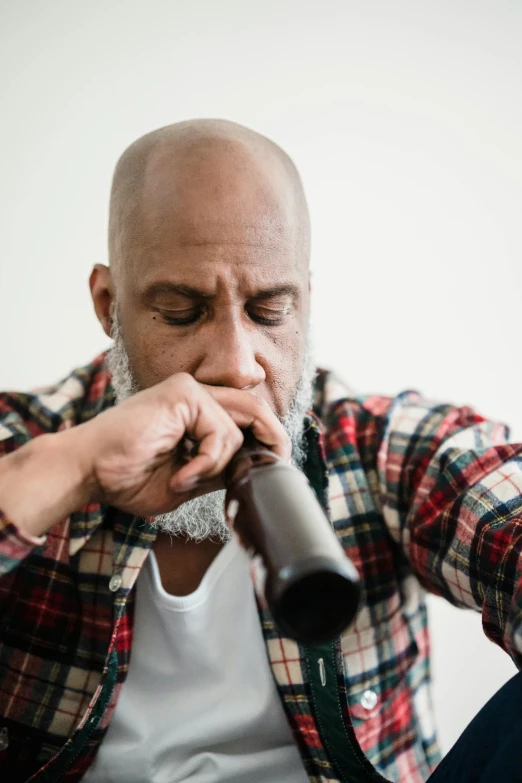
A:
[(405, 120)]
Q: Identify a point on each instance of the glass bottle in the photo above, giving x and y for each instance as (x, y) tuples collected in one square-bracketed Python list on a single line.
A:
[(311, 586)]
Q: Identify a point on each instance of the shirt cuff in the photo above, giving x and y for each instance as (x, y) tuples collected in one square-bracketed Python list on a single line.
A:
[(15, 544)]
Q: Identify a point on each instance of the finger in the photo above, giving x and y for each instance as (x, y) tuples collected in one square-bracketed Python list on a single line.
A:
[(210, 407), (203, 487), (198, 415), (215, 452), (249, 411)]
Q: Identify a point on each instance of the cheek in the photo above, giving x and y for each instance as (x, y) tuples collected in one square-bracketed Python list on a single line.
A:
[(155, 356), (284, 363)]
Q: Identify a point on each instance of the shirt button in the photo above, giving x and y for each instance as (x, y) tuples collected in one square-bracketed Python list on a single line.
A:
[(4, 740), (369, 700), (115, 583)]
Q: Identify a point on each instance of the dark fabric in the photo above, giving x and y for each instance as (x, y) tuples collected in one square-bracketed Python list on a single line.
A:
[(490, 749)]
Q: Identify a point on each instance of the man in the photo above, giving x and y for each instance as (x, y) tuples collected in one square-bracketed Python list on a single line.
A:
[(132, 644)]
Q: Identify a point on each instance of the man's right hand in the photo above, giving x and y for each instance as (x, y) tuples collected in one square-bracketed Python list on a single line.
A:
[(129, 456)]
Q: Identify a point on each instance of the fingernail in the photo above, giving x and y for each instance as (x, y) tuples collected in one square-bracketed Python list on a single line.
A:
[(232, 509), (187, 485)]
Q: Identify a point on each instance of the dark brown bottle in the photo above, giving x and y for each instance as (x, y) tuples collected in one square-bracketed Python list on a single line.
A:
[(311, 586)]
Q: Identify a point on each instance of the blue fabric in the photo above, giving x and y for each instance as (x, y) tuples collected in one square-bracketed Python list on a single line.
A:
[(490, 748)]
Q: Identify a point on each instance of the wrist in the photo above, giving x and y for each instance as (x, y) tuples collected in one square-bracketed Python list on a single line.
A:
[(45, 481), (73, 453)]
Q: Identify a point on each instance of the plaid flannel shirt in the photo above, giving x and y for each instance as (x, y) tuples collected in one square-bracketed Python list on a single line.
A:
[(421, 495)]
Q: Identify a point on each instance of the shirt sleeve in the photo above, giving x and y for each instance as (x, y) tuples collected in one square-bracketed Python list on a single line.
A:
[(15, 545), (451, 486)]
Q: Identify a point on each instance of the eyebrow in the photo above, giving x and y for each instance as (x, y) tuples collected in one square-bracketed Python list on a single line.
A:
[(164, 287), (157, 289)]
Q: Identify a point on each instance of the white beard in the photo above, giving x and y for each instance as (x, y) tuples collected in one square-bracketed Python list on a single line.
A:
[(204, 516)]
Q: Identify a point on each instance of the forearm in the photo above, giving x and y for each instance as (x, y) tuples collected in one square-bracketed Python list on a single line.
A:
[(471, 554), (454, 502), (44, 481)]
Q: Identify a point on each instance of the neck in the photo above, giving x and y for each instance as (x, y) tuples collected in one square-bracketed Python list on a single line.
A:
[(183, 562)]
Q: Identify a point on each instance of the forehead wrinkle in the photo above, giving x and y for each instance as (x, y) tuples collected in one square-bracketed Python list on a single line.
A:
[(200, 268), (183, 219), (233, 242), (219, 243), (184, 231), (182, 251)]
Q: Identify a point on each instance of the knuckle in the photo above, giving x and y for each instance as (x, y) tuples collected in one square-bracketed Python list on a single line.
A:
[(237, 438), (261, 402), (260, 407), (183, 380), (227, 439), (213, 460)]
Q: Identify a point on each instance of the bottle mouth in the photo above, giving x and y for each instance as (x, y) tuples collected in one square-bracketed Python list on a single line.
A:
[(251, 455), (317, 606)]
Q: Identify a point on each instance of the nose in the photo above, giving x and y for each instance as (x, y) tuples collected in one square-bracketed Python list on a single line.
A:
[(230, 359)]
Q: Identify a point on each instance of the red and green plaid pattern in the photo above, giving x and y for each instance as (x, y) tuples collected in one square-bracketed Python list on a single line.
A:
[(421, 495)]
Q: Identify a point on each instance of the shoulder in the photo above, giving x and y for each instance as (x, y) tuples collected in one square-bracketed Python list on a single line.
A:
[(336, 401), (78, 397), (371, 417)]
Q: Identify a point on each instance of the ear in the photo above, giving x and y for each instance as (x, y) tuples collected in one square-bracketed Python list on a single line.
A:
[(102, 292)]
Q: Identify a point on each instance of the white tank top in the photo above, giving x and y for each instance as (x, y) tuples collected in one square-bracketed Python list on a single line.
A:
[(199, 703)]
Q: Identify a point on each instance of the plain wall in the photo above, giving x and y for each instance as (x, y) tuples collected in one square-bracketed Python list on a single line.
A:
[(405, 120)]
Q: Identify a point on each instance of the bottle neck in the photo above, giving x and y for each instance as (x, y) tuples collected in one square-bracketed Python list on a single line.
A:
[(251, 455)]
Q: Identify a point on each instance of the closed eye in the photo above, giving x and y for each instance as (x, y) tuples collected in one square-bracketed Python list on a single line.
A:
[(267, 317), (182, 317), (261, 315)]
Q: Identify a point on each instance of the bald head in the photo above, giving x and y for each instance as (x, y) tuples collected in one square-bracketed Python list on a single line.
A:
[(205, 182)]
